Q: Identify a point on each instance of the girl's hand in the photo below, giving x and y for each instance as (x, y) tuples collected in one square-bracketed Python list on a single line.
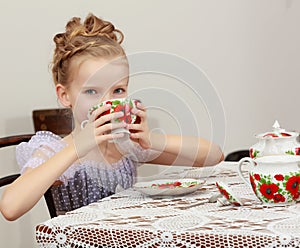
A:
[(97, 130), (139, 132)]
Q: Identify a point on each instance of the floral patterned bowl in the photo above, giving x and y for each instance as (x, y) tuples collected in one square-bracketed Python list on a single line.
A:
[(228, 194)]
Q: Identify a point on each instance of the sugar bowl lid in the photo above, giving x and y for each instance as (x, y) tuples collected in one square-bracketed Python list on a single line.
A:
[(277, 132)]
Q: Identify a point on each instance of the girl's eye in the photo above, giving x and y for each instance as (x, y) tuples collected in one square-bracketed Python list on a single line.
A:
[(119, 91), (90, 92)]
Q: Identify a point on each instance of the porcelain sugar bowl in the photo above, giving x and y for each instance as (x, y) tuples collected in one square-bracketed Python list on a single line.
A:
[(275, 180), (276, 142)]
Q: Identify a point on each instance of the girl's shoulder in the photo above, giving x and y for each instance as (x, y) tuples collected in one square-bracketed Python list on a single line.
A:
[(45, 140)]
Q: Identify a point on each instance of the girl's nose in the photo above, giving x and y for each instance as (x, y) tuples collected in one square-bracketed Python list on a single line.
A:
[(106, 97)]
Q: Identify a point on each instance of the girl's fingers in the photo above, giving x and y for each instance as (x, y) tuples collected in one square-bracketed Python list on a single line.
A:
[(140, 106), (108, 118), (139, 112), (109, 136), (137, 127), (107, 128), (99, 111), (135, 136)]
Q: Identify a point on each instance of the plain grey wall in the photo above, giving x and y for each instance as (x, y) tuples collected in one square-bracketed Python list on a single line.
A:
[(249, 49)]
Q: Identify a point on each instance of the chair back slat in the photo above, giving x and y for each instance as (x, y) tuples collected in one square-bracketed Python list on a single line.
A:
[(8, 179), (14, 140), (58, 121)]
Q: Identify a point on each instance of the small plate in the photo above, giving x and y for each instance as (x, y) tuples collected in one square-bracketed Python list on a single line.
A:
[(168, 187), (228, 194)]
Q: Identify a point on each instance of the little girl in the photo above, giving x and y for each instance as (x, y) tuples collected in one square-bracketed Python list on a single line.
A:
[(89, 66)]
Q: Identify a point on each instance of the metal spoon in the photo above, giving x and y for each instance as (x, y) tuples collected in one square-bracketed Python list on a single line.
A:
[(211, 199)]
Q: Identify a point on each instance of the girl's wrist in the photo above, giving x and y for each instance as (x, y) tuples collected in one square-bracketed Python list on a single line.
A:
[(158, 141)]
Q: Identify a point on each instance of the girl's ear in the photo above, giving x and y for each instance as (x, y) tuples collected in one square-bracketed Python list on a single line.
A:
[(62, 95)]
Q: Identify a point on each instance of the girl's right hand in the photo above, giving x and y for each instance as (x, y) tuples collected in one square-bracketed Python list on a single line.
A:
[(97, 130)]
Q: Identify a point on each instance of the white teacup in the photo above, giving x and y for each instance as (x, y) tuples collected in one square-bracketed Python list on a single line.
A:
[(124, 105)]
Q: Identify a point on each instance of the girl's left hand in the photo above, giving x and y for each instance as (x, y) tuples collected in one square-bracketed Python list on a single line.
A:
[(139, 132)]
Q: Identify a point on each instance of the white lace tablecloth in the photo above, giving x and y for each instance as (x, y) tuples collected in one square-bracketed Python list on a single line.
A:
[(131, 219)]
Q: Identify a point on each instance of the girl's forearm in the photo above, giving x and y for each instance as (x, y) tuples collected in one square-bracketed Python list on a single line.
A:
[(26, 191), (185, 150)]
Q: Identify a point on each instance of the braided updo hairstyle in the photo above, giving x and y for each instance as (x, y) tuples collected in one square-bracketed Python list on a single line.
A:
[(92, 38)]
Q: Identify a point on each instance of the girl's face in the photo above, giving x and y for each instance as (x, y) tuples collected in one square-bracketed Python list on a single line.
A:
[(94, 81)]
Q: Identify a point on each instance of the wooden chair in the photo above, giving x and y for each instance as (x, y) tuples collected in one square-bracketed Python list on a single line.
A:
[(237, 155), (58, 121)]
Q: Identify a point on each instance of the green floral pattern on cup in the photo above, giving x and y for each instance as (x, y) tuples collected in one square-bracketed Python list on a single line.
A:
[(124, 105)]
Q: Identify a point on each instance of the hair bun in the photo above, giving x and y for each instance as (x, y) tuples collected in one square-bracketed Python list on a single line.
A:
[(93, 26)]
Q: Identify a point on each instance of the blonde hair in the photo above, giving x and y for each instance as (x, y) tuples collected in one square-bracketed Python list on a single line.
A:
[(94, 37)]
